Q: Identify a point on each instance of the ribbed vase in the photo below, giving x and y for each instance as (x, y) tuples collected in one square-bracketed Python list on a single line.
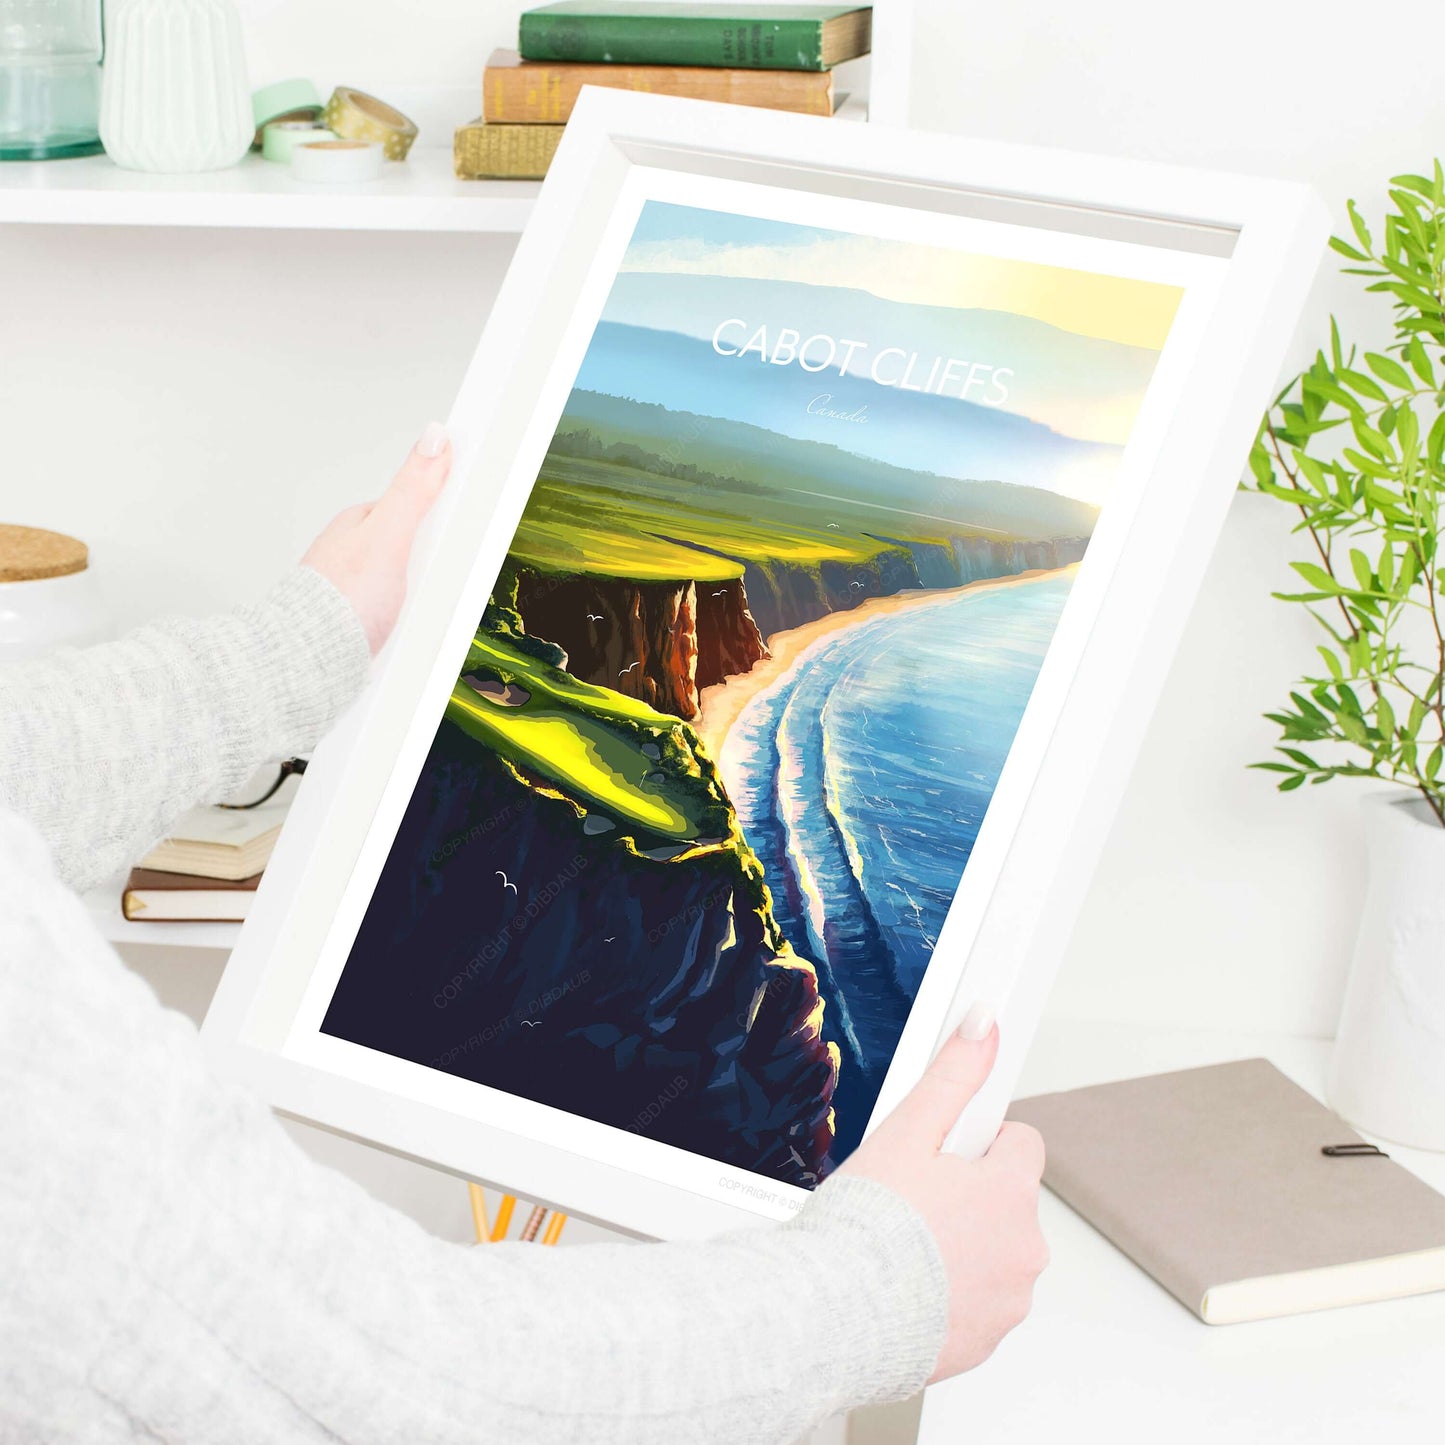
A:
[(175, 95)]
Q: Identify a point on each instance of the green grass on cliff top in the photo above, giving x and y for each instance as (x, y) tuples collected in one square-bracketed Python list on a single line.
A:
[(587, 741), (608, 519), (573, 532)]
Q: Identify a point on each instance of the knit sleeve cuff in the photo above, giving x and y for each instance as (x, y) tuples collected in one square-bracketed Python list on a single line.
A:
[(887, 1252), (306, 656)]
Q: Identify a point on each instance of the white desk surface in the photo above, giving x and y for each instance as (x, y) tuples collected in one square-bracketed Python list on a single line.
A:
[(1107, 1355)]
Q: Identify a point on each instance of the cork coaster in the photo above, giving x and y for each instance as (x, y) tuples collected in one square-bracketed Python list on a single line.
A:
[(30, 553)]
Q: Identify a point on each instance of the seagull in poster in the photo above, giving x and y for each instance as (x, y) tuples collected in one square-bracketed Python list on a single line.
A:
[(628, 668), (505, 884)]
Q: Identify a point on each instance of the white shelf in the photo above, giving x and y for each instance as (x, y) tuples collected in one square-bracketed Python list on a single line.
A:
[(104, 905), (418, 194)]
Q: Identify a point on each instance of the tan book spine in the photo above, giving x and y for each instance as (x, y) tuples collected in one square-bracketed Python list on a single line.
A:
[(542, 92), (489, 151)]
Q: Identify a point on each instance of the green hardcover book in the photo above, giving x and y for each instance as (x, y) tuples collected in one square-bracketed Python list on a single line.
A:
[(763, 37)]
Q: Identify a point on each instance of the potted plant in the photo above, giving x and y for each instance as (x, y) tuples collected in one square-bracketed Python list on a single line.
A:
[(1356, 444)]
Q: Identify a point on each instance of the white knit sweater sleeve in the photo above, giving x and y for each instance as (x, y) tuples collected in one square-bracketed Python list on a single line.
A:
[(101, 748), (173, 1267)]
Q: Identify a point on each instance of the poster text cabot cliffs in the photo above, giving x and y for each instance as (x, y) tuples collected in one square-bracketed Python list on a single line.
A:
[(719, 751)]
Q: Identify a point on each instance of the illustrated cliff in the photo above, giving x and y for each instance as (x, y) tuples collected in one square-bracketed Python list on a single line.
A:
[(662, 642), (625, 964)]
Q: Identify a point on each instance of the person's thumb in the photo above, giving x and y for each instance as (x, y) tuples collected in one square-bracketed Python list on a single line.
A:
[(956, 1074), (417, 485)]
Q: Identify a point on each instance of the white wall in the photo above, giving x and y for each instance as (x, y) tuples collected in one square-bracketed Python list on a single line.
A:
[(195, 403)]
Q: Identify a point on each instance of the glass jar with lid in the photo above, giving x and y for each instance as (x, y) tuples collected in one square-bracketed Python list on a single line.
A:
[(50, 53)]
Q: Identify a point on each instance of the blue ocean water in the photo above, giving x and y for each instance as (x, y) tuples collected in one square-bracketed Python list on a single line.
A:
[(861, 779)]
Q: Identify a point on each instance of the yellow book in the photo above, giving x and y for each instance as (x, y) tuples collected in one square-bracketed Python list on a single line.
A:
[(487, 150), (544, 92)]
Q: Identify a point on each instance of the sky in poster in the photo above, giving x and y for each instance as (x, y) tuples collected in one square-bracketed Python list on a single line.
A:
[(1081, 345)]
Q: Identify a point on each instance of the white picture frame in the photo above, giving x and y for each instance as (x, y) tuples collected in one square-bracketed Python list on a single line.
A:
[(1255, 245)]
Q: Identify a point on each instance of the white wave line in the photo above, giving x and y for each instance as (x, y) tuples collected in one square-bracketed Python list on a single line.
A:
[(791, 806)]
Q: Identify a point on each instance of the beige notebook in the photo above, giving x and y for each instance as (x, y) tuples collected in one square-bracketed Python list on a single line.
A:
[(231, 844), (1213, 1181)]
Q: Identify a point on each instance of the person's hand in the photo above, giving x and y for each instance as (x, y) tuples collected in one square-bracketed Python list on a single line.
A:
[(984, 1213), (363, 552)]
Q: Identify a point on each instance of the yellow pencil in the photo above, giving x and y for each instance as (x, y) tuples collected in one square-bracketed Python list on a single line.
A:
[(504, 1217), (479, 1212), (554, 1229)]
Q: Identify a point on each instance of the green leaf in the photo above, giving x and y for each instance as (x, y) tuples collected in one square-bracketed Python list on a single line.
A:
[(1329, 391), (1370, 466), (1408, 573), (1370, 438), (1388, 370), (1290, 784), (1331, 662), (1284, 494), (1414, 183), (1364, 575), (1419, 361), (1435, 443), (1260, 463), (1361, 230), (1316, 576), (1353, 729), (1313, 472)]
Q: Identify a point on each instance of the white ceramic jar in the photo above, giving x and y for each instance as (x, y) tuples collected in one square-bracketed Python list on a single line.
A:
[(48, 596), (1387, 1072), (175, 97)]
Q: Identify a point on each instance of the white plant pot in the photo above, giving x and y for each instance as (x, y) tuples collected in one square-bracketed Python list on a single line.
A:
[(174, 97), (1387, 1073)]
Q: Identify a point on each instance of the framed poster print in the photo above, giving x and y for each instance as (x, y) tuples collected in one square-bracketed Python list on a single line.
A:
[(827, 503)]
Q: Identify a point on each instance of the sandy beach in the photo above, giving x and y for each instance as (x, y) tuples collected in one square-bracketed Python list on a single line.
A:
[(722, 703)]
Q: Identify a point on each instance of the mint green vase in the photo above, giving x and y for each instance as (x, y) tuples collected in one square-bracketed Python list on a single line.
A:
[(50, 54)]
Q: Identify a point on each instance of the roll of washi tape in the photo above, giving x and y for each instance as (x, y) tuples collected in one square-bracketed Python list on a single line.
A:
[(290, 100), (358, 116), (281, 137), (337, 161)]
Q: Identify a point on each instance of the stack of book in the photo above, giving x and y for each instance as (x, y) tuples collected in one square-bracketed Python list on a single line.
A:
[(777, 56), (208, 869)]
